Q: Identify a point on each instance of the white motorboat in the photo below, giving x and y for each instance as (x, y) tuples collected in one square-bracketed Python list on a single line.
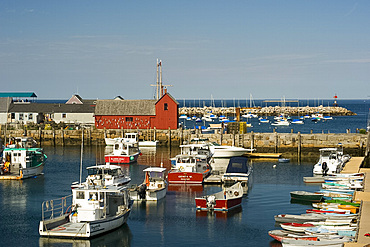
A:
[(111, 175), (237, 171), (154, 186), (281, 122), (91, 210), (224, 151), (22, 162), (330, 161)]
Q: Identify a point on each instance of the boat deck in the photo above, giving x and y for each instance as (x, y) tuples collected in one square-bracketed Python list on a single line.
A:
[(10, 176), (68, 229), (364, 197)]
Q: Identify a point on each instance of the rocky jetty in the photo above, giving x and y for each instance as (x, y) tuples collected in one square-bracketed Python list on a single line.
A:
[(268, 111)]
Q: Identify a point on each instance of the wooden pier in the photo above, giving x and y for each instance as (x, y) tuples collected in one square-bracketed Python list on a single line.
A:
[(353, 166)]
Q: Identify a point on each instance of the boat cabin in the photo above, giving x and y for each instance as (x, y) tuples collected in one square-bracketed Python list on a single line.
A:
[(111, 174), (155, 177), (125, 148), (90, 204), (192, 163), (196, 149), (131, 138)]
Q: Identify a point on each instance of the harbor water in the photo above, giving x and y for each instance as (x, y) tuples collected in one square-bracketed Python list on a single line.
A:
[(339, 124), (173, 221)]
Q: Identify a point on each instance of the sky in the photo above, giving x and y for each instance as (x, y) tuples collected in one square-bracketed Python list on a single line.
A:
[(296, 49)]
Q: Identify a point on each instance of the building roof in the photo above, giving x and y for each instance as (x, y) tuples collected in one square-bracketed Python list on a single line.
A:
[(169, 95), (4, 104), (125, 107), (51, 108), (18, 94)]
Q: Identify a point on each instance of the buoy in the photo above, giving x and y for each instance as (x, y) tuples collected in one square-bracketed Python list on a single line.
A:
[(273, 166)]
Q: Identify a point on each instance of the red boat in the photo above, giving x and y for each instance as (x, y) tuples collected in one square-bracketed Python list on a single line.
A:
[(224, 200), (189, 169), (124, 151), (296, 227), (279, 235), (317, 211)]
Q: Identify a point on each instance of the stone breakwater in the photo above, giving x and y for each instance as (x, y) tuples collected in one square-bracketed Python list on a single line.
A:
[(268, 111)]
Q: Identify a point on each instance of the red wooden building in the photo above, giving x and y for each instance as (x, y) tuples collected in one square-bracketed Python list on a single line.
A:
[(133, 114)]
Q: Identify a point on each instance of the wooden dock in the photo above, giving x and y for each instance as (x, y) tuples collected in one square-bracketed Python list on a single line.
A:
[(263, 155), (353, 166)]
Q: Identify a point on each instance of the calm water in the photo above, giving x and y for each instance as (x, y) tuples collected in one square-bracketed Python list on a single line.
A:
[(170, 222), (339, 124)]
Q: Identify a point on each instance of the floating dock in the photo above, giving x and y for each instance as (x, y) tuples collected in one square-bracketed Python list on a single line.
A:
[(353, 166), (263, 155)]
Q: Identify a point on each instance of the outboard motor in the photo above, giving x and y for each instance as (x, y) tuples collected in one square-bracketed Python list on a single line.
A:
[(141, 191)]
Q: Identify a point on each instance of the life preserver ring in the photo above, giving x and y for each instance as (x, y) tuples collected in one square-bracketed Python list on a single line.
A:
[(236, 193), (181, 168)]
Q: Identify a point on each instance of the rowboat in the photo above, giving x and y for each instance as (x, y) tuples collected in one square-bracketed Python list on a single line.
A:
[(280, 235), (297, 243), (298, 218), (343, 202), (296, 227), (329, 211), (306, 196), (224, 200), (314, 179)]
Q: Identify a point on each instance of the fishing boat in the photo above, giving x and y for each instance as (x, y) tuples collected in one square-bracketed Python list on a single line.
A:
[(237, 171), (280, 235), (189, 169), (306, 196), (111, 175), (125, 151), (21, 142), (154, 186), (301, 218), (91, 210), (197, 147), (22, 162), (224, 200), (296, 227)]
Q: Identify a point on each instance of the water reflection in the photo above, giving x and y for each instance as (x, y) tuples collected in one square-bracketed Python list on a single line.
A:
[(236, 213), (119, 237)]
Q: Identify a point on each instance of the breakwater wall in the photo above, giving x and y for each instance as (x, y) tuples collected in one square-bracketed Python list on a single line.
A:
[(267, 111), (262, 142)]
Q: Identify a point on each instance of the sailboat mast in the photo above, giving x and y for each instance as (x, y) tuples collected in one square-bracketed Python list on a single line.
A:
[(82, 148)]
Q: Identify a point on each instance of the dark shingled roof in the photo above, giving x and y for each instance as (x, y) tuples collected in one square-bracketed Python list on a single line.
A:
[(125, 107), (4, 103), (52, 108)]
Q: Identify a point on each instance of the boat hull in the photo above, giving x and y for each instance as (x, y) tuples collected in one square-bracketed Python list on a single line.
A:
[(185, 177), (221, 204), (51, 228), (24, 173), (121, 159), (306, 196)]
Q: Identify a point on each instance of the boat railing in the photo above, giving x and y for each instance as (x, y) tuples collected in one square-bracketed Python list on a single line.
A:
[(56, 207)]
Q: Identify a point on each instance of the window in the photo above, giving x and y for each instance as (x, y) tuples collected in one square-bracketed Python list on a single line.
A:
[(165, 106), (64, 115), (30, 117), (20, 116), (12, 115), (80, 195), (129, 119)]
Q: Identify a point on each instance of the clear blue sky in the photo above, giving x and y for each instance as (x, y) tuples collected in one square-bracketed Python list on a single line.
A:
[(295, 49)]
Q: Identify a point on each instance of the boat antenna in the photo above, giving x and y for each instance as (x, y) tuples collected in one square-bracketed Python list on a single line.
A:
[(82, 148)]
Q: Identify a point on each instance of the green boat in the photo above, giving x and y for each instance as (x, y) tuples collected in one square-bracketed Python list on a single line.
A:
[(306, 196), (343, 202)]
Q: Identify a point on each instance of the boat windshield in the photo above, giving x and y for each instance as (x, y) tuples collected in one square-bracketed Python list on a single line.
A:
[(156, 175)]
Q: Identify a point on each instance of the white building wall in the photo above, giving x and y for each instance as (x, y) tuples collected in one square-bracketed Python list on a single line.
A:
[(83, 118)]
